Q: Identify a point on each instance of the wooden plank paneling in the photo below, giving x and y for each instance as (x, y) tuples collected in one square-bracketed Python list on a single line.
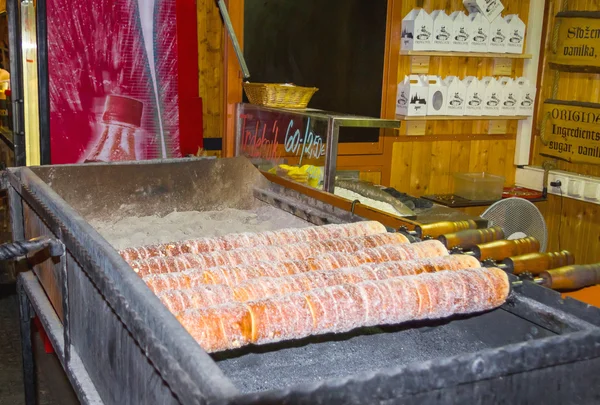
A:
[(420, 167), (498, 153), (401, 165), (210, 65), (233, 76), (390, 83), (440, 166), (459, 162), (431, 164), (373, 177), (573, 225), (425, 165), (509, 168), (478, 160)]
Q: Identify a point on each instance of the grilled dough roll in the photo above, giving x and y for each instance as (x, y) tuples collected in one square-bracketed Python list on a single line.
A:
[(234, 275), (344, 307), (249, 240), (299, 251)]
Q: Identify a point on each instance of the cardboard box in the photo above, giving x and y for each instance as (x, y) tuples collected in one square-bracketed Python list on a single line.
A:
[(490, 9), (442, 30), (417, 29), (460, 32), (498, 35), (510, 96), (412, 96), (479, 32), (457, 95), (526, 97), (492, 96), (437, 94), (516, 34), (475, 92)]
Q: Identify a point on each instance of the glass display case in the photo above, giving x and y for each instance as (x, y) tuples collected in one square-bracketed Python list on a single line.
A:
[(299, 144)]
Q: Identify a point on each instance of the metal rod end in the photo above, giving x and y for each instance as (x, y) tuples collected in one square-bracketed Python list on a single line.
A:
[(353, 206)]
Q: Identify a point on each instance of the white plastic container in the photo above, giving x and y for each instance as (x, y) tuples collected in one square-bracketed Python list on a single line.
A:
[(511, 93), (478, 186), (437, 94), (516, 34), (526, 97), (490, 9), (442, 30), (492, 96), (498, 35), (457, 94), (479, 32), (417, 28), (412, 96), (475, 92), (460, 32)]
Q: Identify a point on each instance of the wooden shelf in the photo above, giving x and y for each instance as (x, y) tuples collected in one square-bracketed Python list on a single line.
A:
[(460, 117), (467, 54)]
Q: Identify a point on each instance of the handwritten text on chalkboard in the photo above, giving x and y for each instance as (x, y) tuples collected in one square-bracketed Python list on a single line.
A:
[(272, 138)]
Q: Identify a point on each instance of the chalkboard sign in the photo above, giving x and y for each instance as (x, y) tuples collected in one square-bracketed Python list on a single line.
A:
[(335, 45)]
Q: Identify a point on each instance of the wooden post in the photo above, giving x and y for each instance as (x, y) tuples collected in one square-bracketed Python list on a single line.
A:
[(534, 46), (390, 84), (233, 76)]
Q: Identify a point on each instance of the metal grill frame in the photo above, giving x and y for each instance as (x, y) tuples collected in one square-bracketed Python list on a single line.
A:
[(171, 368)]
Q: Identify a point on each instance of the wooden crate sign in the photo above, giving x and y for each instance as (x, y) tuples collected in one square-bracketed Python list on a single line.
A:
[(572, 131), (578, 43)]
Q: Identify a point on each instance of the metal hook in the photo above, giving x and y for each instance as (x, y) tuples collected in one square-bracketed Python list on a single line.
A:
[(353, 206)]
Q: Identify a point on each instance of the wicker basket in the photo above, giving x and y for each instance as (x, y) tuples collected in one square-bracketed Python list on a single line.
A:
[(279, 95)]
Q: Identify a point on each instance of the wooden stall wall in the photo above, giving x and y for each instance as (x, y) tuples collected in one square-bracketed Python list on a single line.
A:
[(424, 164), (211, 70), (572, 224), (416, 164)]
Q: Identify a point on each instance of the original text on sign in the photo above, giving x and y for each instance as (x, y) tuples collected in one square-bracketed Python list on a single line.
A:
[(572, 131), (578, 40)]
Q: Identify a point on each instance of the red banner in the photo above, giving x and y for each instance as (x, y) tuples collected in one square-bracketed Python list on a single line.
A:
[(115, 80)]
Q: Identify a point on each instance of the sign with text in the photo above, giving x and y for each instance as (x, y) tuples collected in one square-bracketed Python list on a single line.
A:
[(578, 41), (276, 137), (572, 131)]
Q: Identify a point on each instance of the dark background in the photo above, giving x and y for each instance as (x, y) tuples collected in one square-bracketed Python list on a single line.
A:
[(335, 45)]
